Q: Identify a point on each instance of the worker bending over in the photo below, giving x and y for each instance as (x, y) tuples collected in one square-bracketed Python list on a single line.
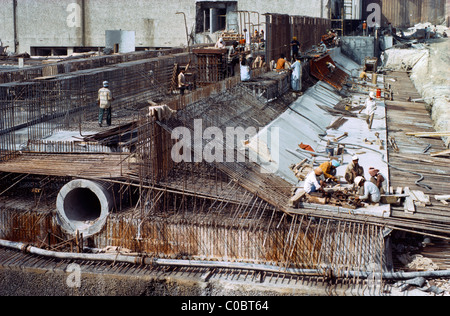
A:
[(377, 178), (371, 193), (329, 169), (314, 181), (281, 63)]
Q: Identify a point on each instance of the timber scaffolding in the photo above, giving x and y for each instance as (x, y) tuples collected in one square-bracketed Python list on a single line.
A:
[(225, 211)]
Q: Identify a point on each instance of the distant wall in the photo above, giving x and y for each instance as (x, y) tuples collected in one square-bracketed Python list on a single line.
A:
[(358, 48), (406, 13), (82, 23)]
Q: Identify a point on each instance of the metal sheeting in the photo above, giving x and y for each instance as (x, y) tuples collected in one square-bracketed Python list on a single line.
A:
[(319, 69), (282, 27), (406, 13), (301, 123)]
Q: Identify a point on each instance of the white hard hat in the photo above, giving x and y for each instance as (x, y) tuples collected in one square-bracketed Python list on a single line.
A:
[(371, 94), (355, 157), (358, 180)]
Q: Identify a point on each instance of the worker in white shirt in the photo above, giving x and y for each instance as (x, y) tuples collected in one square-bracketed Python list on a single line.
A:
[(182, 85), (322, 47), (370, 106), (371, 191), (314, 181), (245, 70), (220, 43)]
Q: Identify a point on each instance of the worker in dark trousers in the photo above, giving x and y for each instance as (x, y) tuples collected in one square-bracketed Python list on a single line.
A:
[(104, 101)]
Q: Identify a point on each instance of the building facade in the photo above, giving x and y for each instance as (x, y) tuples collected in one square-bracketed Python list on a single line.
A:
[(62, 26)]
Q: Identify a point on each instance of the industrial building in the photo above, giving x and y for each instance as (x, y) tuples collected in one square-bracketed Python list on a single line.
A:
[(203, 191), (64, 27)]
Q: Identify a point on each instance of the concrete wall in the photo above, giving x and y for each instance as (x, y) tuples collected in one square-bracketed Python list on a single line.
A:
[(75, 23), (358, 48), (6, 22)]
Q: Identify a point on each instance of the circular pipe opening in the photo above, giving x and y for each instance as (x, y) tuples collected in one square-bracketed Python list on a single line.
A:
[(81, 204)]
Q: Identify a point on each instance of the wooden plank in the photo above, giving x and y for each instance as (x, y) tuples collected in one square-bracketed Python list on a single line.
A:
[(421, 197), (296, 198), (442, 197), (440, 153), (428, 134), (409, 206)]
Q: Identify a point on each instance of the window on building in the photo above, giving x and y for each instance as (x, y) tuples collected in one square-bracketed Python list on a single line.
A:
[(213, 16)]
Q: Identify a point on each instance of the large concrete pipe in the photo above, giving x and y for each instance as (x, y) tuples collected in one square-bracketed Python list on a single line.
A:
[(83, 205)]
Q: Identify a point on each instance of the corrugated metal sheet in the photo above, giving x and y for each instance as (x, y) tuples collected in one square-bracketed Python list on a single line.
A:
[(281, 28), (406, 13), (301, 123), (320, 70)]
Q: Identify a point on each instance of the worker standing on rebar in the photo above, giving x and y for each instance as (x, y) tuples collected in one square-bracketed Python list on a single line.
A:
[(104, 101), (364, 27), (296, 77), (233, 58), (245, 70), (247, 39), (182, 85), (295, 46)]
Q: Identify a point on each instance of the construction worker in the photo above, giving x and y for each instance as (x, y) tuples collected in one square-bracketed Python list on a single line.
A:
[(182, 85), (245, 70), (354, 170), (370, 105), (329, 169), (371, 193), (314, 181), (377, 178), (295, 46), (280, 63), (322, 47), (331, 67), (363, 76), (364, 27), (220, 43), (296, 78), (104, 100), (247, 39), (233, 58)]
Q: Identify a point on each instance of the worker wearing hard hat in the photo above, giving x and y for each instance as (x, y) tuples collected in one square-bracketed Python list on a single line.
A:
[(104, 101), (371, 193), (220, 43), (370, 105), (364, 27), (314, 181), (295, 46)]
